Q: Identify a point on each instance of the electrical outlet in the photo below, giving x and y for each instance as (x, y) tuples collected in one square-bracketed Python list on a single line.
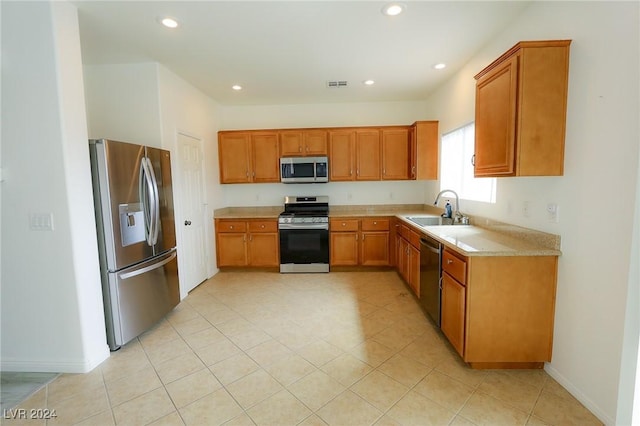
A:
[(553, 213), (526, 209), (391, 195), (41, 221)]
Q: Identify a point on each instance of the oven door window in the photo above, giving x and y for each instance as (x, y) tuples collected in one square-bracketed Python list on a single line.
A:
[(304, 246)]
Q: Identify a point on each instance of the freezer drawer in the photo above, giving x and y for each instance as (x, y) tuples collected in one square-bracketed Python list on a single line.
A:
[(139, 296)]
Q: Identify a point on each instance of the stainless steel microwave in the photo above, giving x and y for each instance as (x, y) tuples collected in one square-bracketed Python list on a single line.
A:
[(304, 170)]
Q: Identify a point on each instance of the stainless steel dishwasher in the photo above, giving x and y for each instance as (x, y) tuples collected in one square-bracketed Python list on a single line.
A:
[(430, 275)]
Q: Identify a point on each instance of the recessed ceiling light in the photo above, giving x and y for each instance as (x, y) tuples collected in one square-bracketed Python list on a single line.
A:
[(169, 22), (440, 66), (368, 82), (393, 9), (236, 87)]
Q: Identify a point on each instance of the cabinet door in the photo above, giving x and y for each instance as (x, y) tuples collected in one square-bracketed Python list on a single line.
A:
[(413, 269), (264, 157), (290, 143), (264, 249), (232, 249), (374, 249), (496, 96), (344, 248), (233, 152), (425, 145), (315, 142), (368, 155), (395, 154), (342, 152), (401, 256), (453, 312)]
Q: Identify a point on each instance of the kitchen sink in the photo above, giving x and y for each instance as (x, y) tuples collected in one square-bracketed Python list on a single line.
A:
[(426, 220)]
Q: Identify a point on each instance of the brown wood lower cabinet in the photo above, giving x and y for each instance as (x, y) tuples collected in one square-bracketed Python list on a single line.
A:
[(247, 243), (408, 257), (497, 311), (359, 242)]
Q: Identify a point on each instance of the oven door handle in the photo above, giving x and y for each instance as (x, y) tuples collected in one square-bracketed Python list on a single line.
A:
[(288, 226)]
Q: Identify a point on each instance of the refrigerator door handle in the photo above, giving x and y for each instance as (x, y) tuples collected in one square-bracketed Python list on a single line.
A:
[(156, 202), (148, 268), (146, 198)]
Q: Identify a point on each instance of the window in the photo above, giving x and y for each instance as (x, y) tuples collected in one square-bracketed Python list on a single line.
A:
[(456, 168)]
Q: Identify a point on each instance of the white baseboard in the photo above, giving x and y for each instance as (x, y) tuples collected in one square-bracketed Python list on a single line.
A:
[(54, 366), (584, 400)]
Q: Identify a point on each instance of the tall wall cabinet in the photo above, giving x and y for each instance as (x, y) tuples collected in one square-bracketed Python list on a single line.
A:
[(521, 104)]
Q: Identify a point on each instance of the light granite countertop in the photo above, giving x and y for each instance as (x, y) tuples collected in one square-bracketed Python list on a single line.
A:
[(484, 237), (470, 240)]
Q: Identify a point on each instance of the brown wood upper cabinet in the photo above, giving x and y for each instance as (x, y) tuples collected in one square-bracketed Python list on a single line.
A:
[(396, 151), (250, 156), (303, 142), (424, 141), (354, 154), (521, 104)]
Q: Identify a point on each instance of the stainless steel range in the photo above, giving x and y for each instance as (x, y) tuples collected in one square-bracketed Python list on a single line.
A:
[(304, 234)]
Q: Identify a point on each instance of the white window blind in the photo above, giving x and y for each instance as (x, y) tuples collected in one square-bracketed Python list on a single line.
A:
[(456, 171)]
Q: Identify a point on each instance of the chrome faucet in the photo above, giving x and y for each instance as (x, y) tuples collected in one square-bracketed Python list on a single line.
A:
[(457, 216)]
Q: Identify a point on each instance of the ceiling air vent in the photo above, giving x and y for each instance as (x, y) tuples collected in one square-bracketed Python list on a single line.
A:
[(337, 83)]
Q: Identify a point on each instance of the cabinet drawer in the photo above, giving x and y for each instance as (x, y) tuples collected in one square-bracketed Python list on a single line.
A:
[(263, 226), (414, 239), (375, 224), (454, 266), (404, 231), (338, 225), (231, 226)]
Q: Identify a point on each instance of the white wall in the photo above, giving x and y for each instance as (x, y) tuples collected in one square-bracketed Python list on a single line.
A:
[(597, 193), (187, 110), (146, 103), (324, 115), (52, 315), (123, 103)]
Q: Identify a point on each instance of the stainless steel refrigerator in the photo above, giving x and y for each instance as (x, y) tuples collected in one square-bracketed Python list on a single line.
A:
[(136, 236)]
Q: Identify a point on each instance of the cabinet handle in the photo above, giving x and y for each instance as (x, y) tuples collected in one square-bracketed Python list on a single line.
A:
[(375, 223), (449, 261), (356, 237), (254, 174), (344, 224), (307, 148), (247, 173), (473, 160), (230, 226), (244, 238), (351, 172), (299, 149), (384, 172), (262, 226), (363, 237), (250, 237)]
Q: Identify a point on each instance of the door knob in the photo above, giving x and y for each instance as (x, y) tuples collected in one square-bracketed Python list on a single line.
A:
[(187, 222)]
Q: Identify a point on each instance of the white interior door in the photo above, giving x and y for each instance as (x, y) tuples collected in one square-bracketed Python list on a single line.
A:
[(193, 209)]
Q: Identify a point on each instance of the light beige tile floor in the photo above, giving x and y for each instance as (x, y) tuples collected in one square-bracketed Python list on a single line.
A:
[(260, 348)]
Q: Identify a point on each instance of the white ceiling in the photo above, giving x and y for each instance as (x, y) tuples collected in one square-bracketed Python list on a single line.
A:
[(284, 52)]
